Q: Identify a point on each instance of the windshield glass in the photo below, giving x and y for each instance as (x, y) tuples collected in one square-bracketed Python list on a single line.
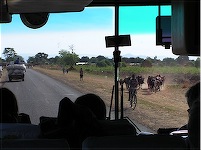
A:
[(54, 54)]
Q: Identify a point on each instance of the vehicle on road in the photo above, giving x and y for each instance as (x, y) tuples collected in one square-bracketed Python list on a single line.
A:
[(16, 72)]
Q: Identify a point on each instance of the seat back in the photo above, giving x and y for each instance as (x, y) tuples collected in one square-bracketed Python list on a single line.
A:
[(142, 142), (116, 127), (35, 144)]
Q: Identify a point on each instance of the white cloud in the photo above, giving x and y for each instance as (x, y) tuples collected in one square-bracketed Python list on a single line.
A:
[(145, 44), (86, 43)]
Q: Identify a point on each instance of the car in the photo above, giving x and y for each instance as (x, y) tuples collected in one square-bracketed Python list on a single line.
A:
[(16, 72)]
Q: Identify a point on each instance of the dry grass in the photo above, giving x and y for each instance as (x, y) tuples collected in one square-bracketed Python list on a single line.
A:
[(166, 108)]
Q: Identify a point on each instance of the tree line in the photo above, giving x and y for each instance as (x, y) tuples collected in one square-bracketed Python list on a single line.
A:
[(70, 58)]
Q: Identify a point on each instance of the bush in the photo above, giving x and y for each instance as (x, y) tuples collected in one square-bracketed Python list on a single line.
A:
[(146, 63), (122, 64), (101, 64)]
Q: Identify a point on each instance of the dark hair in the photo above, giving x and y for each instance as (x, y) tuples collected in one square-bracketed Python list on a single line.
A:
[(94, 103), (8, 106), (193, 94), (66, 113), (193, 99)]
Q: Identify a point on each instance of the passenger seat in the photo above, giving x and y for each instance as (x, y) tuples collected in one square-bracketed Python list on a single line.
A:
[(34, 144), (141, 142)]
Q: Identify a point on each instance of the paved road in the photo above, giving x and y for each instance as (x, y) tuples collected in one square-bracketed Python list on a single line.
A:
[(39, 95)]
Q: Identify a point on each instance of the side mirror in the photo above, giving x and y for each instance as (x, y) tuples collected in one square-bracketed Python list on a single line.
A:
[(34, 20), (163, 31)]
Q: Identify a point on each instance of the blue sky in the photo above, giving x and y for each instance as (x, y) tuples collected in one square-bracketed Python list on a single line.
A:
[(86, 31), (140, 20), (87, 19)]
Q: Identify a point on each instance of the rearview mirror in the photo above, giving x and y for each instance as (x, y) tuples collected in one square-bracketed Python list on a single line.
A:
[(34, 20), (163, 31), (121, 40)]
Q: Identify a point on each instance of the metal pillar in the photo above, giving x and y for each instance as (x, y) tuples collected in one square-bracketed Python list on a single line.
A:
[(116, 54)]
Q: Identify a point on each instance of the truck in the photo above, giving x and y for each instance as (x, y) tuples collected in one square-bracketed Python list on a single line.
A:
[(16, 71)]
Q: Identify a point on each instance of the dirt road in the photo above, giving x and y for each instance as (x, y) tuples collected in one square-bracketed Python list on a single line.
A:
[(164, 109)]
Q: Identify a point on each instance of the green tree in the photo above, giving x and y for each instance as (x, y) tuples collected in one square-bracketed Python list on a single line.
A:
[(168, 61), (54, 60), (31, 60), (108, 62), (101, 63), (146, 63), (84, 59), (41, 58), (122, 64), (182, 60), (139, 60), (156, 61), (93, 60), (100, 57), (132, 60), (125, 60), (20, 58), (68, 58), (190, 64), (9, 54), (150, 59), (197, 62)]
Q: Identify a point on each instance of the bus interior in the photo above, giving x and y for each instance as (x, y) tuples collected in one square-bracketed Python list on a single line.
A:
[(179, 31)]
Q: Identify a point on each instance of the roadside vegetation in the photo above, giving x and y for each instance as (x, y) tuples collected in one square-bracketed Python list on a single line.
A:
[(142, 70), (69, 59)]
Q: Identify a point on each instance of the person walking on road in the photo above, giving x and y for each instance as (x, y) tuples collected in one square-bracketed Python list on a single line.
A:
[(81, 74)]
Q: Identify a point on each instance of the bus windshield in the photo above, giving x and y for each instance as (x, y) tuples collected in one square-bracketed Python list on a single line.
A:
[(53, 55)]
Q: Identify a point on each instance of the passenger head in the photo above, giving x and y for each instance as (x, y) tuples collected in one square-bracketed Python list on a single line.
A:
[(192, 94), (8, 106), (193, 99), (94, 103), (66, 112)]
